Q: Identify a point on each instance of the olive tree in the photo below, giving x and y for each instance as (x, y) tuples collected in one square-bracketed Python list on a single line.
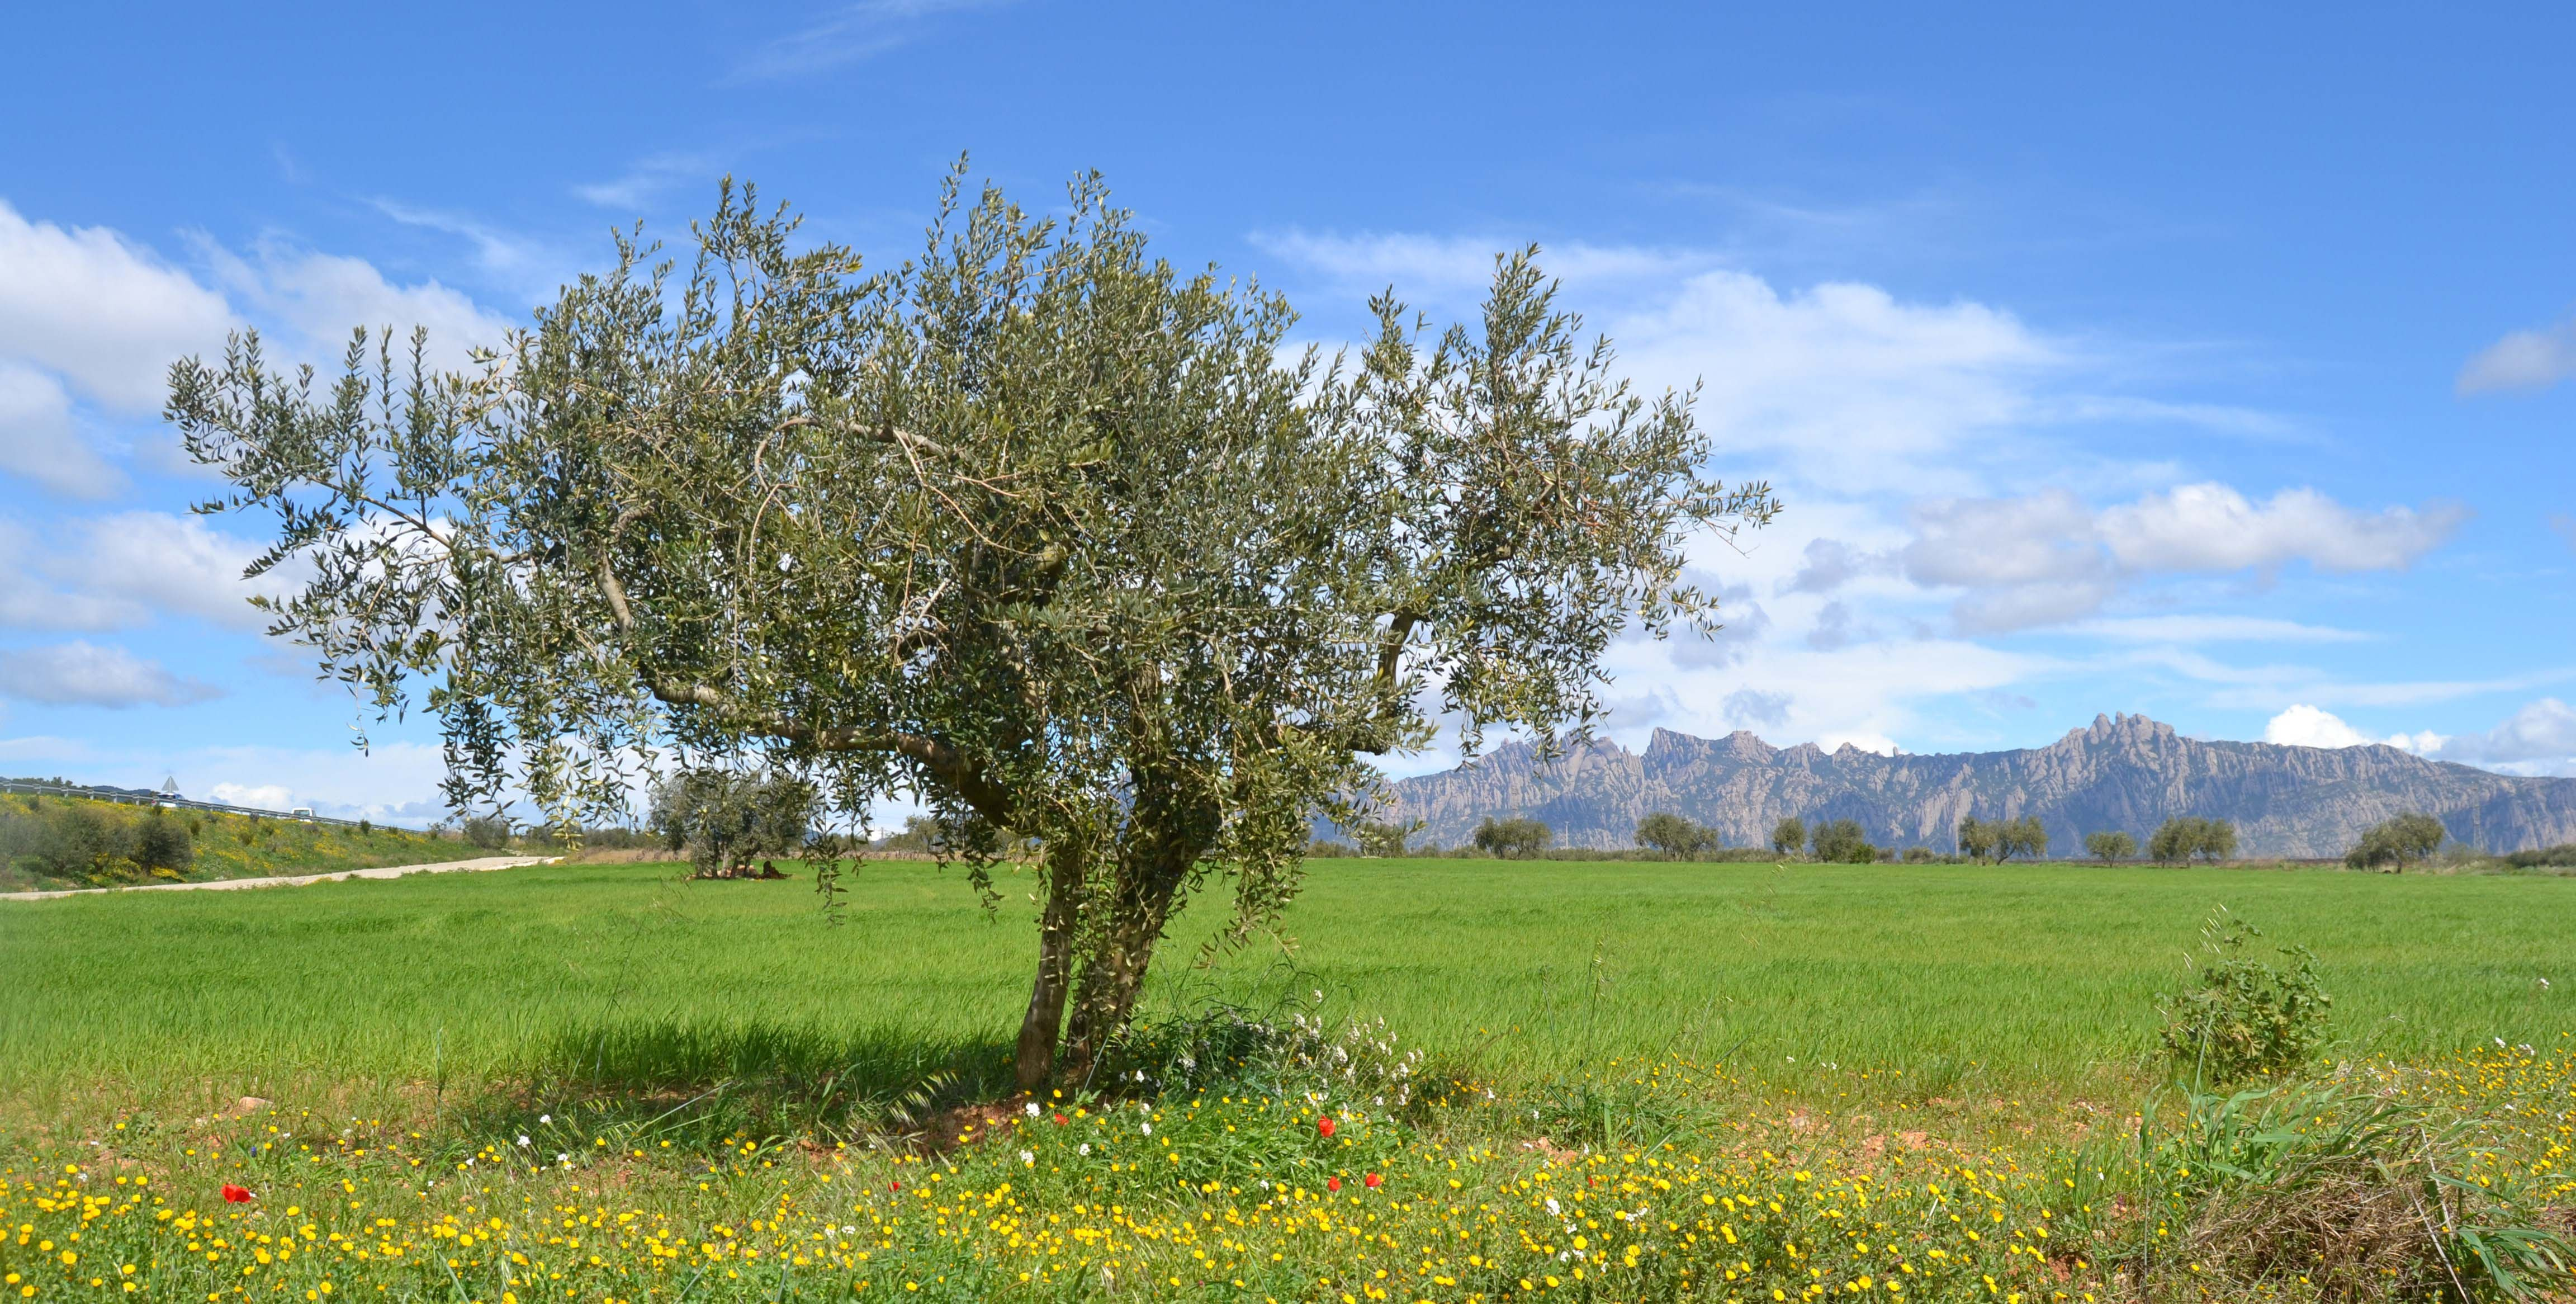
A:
[(1060, 540), (1789, 836), (2397, 842), (1677, 838), (2111, 845)]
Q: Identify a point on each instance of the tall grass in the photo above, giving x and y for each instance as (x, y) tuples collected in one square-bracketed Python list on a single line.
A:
[(1935, 981)]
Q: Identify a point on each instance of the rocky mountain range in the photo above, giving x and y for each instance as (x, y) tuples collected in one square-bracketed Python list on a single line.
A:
[(2124, 772)]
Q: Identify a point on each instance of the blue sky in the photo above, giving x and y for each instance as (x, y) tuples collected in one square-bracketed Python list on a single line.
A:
[(2201, 361)]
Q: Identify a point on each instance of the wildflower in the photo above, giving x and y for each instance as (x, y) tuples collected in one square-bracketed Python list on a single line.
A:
[(1324, 1127), (1029, 1157), (1332, 1183), (545, 1118), (1033, 1109), (894, 1186), (1148, 1128), (523, 1140), (1059, 1120), (235, 1195), (1373, 1181)]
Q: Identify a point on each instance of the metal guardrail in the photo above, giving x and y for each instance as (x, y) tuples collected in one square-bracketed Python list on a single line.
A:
[(129, 797)]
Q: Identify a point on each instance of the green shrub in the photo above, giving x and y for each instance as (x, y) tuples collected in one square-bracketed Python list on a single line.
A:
[(2244, 1016), (162, 842), (2546, 857)]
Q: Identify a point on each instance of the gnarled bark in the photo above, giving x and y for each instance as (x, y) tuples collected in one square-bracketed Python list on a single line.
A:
[(1035, 1057)]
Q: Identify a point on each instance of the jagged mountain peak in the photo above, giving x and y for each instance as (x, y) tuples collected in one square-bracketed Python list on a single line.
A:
[(2125, 772)]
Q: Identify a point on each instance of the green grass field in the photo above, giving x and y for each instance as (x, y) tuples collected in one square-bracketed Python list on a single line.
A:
[(2021, 978), (603, 1084)]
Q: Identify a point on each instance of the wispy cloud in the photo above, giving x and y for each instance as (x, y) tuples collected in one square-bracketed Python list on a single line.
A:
[(2213, 629), (85, 674), (855, 32), (2532, 359), (494, 250), (647, 179)]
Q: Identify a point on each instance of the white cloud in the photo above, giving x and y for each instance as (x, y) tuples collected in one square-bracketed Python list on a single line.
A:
[(322, 297), (2213, 629), (2533, 359), (2544, 730), (105, 313), (1840, 384), (1828, 565), (129, 569), (265, 797), (2049, 557), (38, 438), (2211, 527), (156, 563), (91, 319), (2308, 726), (82, 674)]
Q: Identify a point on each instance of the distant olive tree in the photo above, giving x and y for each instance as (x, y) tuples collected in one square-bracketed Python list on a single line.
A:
[(1512, 837), (1844, 842), (728, 819), (1789, 836), (2110, 846), (1067, 542), (1384, 838), (2001, 840), (2026, 836), (1676, 837), (2395, 843), (2185, 837), (1979, 839), (487, 832)]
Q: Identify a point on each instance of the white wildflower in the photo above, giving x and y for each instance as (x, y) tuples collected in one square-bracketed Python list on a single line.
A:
[(1034, 1111), (1029, 1157), (523, 1137)]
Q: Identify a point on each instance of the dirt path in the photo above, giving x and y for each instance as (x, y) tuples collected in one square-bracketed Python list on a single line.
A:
[(297, 880)]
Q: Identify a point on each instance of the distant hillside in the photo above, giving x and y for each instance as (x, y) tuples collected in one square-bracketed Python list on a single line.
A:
[(48, 843), (2126, 772)]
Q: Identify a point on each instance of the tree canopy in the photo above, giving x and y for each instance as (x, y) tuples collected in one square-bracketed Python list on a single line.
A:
[(1675, 836), (1064, 541), (1518, 836), (2397, 842), (2186, 836)]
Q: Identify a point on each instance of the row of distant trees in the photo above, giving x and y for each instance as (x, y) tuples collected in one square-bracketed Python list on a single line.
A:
[(729, 822)]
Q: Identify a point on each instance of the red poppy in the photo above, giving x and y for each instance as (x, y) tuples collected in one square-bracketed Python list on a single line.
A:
[(894, 1186), (1373, 1181), (235, 1195), (1332, 1183), (1324, 1126), (1059, 1120)]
